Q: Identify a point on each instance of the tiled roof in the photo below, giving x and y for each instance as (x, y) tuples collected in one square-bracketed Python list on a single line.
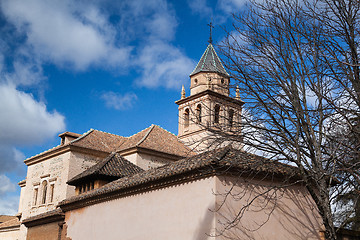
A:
[(50, 216), (14, 222), (112, 167), (4, 218), (99, 140), (210, 62), (217, 161), (158, 139), (153, 138), (93, 139)]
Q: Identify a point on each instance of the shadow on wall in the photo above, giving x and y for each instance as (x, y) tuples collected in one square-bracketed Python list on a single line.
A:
[(263, 210), (206, 226)]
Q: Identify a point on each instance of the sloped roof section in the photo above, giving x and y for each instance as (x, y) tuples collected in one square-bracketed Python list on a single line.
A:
[(5, 218), (157, 139), (92, 139), (99, 140), (152, 138), (219, 161), (113, 167), (210, 62), (13, 222)]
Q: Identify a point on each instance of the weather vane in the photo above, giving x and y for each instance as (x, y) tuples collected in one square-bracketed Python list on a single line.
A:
[(211, 27)]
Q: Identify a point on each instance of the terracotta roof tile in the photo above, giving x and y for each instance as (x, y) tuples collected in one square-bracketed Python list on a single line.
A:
[(220, 160), (153, 138), (56, 212), (14, 222), (4, 218), (99, 140), (113, 167), (158, 139)]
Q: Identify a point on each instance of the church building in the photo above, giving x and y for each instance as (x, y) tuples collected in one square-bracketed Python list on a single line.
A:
[(157, 185)]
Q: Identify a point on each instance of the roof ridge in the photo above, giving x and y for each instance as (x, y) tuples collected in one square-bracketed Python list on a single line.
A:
[(220, 62), (108, 133), (139, 132), (102, 164), (210, 62), (82, 136), (165, 130), (146, 135), (200, 60), (223, 153)]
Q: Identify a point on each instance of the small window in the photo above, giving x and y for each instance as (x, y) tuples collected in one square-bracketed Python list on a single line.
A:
[(198, 113), (231, 117), (187, 117), (217, 114), (36, 192), (195, 81), (222, 81), (44, 192), (52, 186)]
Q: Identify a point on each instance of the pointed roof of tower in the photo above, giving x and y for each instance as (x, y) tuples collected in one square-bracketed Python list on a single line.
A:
[(210, 62)]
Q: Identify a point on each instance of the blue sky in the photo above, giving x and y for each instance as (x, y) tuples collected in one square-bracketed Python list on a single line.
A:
[(115, 66)]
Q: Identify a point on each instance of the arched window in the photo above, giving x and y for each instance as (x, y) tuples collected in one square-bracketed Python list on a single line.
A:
[(198, 113), (36, 190), (231, 117), (52, 186), (44, 191), (216, 114), (187, 117)]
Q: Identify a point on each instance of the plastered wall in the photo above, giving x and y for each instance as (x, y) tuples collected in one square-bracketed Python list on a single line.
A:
[(178, 212), (264, 212), (9, 235)]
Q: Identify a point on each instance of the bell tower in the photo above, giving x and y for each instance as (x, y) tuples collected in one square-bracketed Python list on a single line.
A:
[(209, 115)]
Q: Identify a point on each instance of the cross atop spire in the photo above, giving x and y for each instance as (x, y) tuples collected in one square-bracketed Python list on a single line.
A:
[(211, 27)]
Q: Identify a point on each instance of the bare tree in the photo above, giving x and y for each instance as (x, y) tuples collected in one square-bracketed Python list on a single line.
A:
[(297, 66)]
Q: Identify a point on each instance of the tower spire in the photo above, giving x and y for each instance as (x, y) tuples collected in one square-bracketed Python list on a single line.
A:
[(211, 27), (183, 92)]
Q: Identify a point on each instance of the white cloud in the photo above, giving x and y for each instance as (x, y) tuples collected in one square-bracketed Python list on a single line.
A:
[(231, 6), (8, 203), (66, 33), (119, 101), (6, 185), (25, 74), (78, 35), (11, 159), (163, 65), (200, 7), (25, 120)]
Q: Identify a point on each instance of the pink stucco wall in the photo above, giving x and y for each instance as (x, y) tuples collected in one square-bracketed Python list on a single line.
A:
[(197, 209), (177, 212), (261, 211)]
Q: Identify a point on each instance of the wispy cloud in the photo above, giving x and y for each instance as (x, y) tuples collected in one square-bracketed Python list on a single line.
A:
[(163, 65), (66, 33), (119, 101), (231, 6), (8, 202), (79, 35), (200, 7), (218, 12), (26, 121)]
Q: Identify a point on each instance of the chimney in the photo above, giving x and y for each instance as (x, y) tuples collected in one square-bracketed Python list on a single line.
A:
[(67, 137)]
